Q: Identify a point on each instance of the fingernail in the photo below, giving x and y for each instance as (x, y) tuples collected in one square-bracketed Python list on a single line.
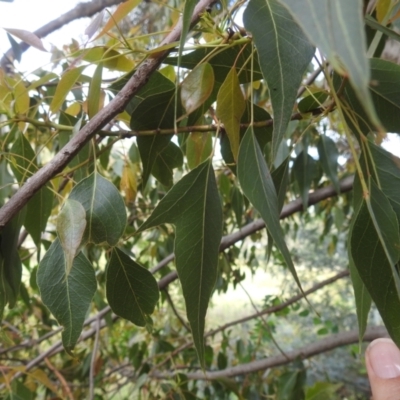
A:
[(384, 357)]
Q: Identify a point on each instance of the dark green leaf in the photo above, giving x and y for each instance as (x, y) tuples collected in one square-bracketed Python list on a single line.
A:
[(328, 156), (38, 212), (385, 91), (375, 248), (361, 295), (222, 62), (132, 291), (10, 267), (312, 101), (280, 177), (23, 163), (284, 53), (105, 209), (257, 185), (373, 23), (16, 48), (59, 291), (193, 206), (304, 170), (171, 157)]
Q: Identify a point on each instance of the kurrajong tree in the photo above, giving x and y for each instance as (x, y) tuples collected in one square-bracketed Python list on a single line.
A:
[(152, 152)]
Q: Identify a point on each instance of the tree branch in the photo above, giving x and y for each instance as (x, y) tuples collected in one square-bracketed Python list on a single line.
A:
[(294, 206), (321, 346), (116, 105), (82, 10)]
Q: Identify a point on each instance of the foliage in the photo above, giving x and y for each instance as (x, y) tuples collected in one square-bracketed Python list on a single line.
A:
[(105, 181)]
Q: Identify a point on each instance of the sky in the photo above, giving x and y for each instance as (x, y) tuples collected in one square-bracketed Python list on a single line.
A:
[(31, 15)]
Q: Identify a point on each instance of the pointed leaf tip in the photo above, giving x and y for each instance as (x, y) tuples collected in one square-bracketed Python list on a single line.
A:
[(132, 291), (58, 291), (193, 206)]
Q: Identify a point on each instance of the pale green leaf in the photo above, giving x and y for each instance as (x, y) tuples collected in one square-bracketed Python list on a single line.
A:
[(257, 185), (94, 94), (193, 206), (71, 224), (59, 291), (337, 29), (132, 291), (65, 85), (109, 57), (284, 53), (105, 209), (328, 156), (198, 148), (197, 87), (230, 108)]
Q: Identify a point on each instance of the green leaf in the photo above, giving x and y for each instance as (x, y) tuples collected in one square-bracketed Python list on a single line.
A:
[(387, 169), (95, 92), (59, 291), (328, 156), (230, 108), (284, 53), (132, 291), (150, 147), (16, 48), (65, 85), (280, 177), (105, 209), (375, 248), (257, 185), (23, 159), (156, 111), (385, 91), (198, 148), (38, 212), (222, 62), (11, 267), (71, 224), (193, 206), (197, 87), (322, 391), (312, 102), (171, 157), (304, 170), (374, 24), (186, 19), (361, 295), (337, 29)]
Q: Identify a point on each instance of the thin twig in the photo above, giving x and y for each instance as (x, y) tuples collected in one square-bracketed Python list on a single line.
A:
[(321, 346), (93, 360), (59, 376), (269, 310), (175, 311)]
